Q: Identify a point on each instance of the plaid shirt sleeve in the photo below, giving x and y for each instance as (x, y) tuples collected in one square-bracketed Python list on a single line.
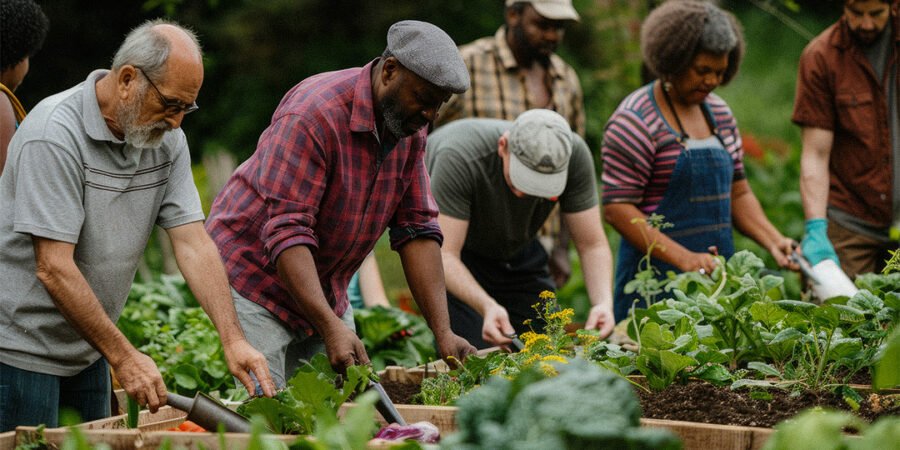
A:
[(292, 181), (417, 213)]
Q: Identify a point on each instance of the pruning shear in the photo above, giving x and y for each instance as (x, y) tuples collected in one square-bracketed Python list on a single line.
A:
[(516, 342)]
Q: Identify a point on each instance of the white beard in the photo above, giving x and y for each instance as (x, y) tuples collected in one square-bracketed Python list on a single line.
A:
[(147, 136)]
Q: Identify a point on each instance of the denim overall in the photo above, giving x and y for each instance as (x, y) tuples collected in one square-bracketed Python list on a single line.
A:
[(697, 202)]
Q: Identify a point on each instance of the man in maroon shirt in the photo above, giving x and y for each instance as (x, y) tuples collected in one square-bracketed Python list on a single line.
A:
[(846, 106), (341, 161)]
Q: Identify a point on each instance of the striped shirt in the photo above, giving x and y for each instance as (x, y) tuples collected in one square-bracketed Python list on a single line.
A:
[(640, 149), (499, 89), (320, 177)]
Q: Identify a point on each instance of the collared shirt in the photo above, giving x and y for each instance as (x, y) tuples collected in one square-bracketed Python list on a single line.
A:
[(499, 89), (320, 177), (69, 179), (837, 90)]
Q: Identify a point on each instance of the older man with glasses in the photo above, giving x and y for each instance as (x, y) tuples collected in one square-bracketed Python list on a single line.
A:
[(91, 171)]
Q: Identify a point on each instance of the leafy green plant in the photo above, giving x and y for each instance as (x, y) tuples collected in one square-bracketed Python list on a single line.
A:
[(394, 337), (310, 399), (822, 429), (646, 281), (163, 320), (568, 411)]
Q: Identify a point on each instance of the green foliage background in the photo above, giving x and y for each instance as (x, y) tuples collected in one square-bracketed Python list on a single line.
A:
[(255, 50)]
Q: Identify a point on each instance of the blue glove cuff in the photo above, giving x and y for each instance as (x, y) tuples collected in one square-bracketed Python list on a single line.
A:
[(816, 225), (816, 245)]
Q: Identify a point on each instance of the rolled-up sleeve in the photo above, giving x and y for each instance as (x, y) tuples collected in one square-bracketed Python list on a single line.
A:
[(292, 181), (417, 213)]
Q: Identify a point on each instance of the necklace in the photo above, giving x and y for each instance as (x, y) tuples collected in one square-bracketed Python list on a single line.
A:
[(683, 136)]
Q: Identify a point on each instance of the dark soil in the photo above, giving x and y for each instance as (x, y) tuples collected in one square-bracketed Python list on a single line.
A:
[(401, 393), (703, 402)]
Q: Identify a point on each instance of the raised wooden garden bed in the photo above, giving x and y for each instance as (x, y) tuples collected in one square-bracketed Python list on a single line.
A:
[(694, 434)]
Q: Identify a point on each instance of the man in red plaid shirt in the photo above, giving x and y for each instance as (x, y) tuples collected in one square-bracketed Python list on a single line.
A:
[(341, 161)]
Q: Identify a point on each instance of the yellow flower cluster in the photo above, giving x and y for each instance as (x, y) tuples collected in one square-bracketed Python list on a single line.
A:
[(530, 338), (564, 316), (547, 295), (555, 358), (548, 369)]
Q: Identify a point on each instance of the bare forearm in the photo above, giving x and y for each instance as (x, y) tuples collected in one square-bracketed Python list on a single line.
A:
[(597, 269), (749, 217), (814, 171), (422, 266), (297, 270), (463, 285), (205, 275), (77, 303)]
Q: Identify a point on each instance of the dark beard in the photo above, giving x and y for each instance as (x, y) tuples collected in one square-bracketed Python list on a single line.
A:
[(393, 118), (526, 51)]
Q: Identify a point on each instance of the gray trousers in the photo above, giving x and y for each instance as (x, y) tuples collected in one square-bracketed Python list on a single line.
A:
[(285, 349)]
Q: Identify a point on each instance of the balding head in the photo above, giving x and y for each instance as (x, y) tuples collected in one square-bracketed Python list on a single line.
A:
[(156, 43)]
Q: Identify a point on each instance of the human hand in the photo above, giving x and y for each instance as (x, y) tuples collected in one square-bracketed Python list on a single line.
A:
[(782, 249), (344, 349), (141, 380), (705, 263), (601, 318), (451, 346), (242, 358), (815, 244), (496, 325)]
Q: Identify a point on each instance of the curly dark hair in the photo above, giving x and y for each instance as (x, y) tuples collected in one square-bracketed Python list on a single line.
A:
[(23, 27)]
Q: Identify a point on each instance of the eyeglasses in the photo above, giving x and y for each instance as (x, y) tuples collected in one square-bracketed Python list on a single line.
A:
[(173, 107)]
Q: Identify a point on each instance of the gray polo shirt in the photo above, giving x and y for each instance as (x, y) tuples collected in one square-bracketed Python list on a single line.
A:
[(467, 182), (67, 178)]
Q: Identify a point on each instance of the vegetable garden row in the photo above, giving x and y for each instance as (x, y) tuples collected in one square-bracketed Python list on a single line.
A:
[(726, 339)]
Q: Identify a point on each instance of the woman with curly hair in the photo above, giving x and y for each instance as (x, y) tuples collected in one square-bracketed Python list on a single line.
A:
[(23, 27), (672, 148)]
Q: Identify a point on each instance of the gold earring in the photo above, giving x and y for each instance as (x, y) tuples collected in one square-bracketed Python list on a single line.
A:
[(667, 85)]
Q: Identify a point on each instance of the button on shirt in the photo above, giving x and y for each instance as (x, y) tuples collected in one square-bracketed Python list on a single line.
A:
[(321, 177)]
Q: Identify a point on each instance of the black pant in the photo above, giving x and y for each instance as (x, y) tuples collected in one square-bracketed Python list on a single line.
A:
[(516, 284)]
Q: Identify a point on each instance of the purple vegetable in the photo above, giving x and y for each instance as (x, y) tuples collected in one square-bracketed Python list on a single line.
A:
[(424, 432)]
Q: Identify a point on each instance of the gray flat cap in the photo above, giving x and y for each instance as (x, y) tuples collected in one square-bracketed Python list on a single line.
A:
[(430, 53)]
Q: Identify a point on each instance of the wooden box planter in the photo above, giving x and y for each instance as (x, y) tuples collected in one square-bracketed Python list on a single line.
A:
[(694, 435), (8, 440)]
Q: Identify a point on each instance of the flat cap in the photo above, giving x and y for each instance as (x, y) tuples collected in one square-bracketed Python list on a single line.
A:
[(430, 53)]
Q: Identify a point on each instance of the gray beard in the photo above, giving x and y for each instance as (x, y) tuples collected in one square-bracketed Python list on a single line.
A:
[(146, 136)]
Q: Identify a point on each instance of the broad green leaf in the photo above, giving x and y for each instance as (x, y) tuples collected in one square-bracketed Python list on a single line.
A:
[(767, 313), (655, 337), (746, 382), (887, 373), (714, 373), (892, 299), (795, 305), (788, 334), (744, 262), (827, 315), (673, 363), (671, 316), (866, 302), (814, 429), (770, 282), (186, 376), (766, 369)]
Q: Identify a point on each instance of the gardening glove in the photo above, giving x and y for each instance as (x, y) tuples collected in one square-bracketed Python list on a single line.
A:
[(815, 245)]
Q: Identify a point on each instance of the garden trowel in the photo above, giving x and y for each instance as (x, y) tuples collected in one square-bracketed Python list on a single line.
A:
[(208, 413), (385, 406)]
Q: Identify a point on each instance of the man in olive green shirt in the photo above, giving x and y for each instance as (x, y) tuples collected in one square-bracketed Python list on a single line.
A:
[(495, 182)]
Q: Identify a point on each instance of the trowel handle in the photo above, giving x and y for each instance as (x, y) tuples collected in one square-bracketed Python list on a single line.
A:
[(179, 402)]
